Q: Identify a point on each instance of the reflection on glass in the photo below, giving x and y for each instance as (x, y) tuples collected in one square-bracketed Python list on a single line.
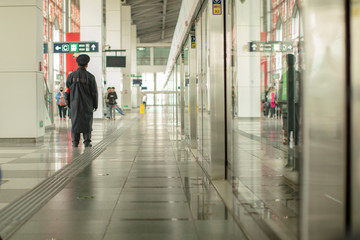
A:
[(265, 148)]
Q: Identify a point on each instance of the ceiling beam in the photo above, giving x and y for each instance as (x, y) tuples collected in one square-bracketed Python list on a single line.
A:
[(164, 19)]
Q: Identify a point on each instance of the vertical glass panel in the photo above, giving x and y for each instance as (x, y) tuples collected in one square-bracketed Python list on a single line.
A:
[(150, 99), (186, 90), (148, 81), (143, 56), (199, 37), (160, 81), (206, 87), (355, 112), (264, 93), (161, 56)]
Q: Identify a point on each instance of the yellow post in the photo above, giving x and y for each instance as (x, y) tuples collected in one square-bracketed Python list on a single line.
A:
[(142, 108)]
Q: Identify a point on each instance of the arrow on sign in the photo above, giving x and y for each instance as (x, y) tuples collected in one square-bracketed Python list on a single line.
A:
[(93, 47), (57, 47), (254, 46)]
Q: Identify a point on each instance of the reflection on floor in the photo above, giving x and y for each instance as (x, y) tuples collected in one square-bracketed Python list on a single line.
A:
[(143, 186), (23, 166), (261, 181)]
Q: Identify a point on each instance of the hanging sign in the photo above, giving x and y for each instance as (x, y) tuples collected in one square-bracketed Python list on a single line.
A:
[(272, 46), (217, 9), (193, 42), (75, 47)]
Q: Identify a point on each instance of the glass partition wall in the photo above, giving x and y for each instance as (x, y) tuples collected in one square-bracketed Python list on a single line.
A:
[(264, 69)]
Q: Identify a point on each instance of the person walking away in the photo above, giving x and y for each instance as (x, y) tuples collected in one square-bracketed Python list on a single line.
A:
[(272, 102), (107, 102), (112, 96), (82, 100), (144, 100), (61, 102)]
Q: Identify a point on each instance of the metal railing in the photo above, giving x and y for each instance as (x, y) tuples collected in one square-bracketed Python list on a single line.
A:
[(48, 98)]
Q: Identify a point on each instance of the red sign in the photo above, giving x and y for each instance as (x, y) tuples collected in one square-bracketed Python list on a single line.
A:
[(71, 64)]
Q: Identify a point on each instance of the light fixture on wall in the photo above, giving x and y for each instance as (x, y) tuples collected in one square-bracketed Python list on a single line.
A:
[(123, 1)]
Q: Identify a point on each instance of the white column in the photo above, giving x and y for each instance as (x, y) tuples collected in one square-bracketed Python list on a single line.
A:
[(136, 89), (126, 44), (248, 25), (216, 95), (133, 50), (192, 95), (182, 90), (113, 39), (21, 79), (92, 29)]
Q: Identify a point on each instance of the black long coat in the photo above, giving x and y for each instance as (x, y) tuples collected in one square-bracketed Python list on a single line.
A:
[(82, 98)]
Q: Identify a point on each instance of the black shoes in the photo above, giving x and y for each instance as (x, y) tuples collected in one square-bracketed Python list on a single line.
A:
[(87, 144)]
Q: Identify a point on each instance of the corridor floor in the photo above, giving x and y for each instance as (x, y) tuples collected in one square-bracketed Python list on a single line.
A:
[(142, 186)]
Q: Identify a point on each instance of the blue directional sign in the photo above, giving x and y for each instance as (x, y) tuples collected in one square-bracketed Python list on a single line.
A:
[(76, 47)]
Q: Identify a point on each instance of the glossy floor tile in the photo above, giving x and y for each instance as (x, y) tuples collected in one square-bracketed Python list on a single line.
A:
[(24, 166), (143, 186)]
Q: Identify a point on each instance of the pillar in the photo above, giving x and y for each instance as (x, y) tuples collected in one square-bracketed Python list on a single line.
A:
[(248, 67), (216, 94), (182, 93), (192, 94), (113, 40), (21, 77), (92, 29), (126, 44)]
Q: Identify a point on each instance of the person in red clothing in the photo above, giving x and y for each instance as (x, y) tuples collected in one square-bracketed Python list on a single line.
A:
[(272, 101)]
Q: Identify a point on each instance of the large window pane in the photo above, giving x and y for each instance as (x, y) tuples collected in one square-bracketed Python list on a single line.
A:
[(161, 56), (160, 81), (148, 81), (143, 56)]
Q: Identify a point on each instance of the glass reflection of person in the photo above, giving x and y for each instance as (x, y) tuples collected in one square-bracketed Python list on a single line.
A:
[(289, 99)]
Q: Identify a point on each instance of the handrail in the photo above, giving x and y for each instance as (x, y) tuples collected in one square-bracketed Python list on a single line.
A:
[(48, 100)]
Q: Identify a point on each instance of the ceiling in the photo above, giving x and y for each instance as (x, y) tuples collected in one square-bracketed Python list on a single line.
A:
[(155, 19)]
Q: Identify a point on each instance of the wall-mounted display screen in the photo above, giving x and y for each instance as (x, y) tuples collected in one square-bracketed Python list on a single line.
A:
[(116, 61)]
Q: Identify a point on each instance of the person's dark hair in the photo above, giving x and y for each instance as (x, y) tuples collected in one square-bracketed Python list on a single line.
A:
[(113, 87), (108, 88), (290, 59), (82, 60)]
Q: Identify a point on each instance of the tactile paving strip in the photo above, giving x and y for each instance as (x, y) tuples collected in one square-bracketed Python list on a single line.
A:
[(18, 212)]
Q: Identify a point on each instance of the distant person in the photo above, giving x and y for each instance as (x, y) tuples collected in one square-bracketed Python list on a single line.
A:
[(289, 100), (144, 100), (61, 102), (82, 100), (112, 96), (272, 102), (107, 102)]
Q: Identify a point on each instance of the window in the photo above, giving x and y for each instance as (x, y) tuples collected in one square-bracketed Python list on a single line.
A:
[(143, 56), (161, 56)]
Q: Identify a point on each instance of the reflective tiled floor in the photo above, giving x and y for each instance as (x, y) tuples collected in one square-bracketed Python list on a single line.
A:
[(143, 186), (261, 180), (23, 166), (262, 184)]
